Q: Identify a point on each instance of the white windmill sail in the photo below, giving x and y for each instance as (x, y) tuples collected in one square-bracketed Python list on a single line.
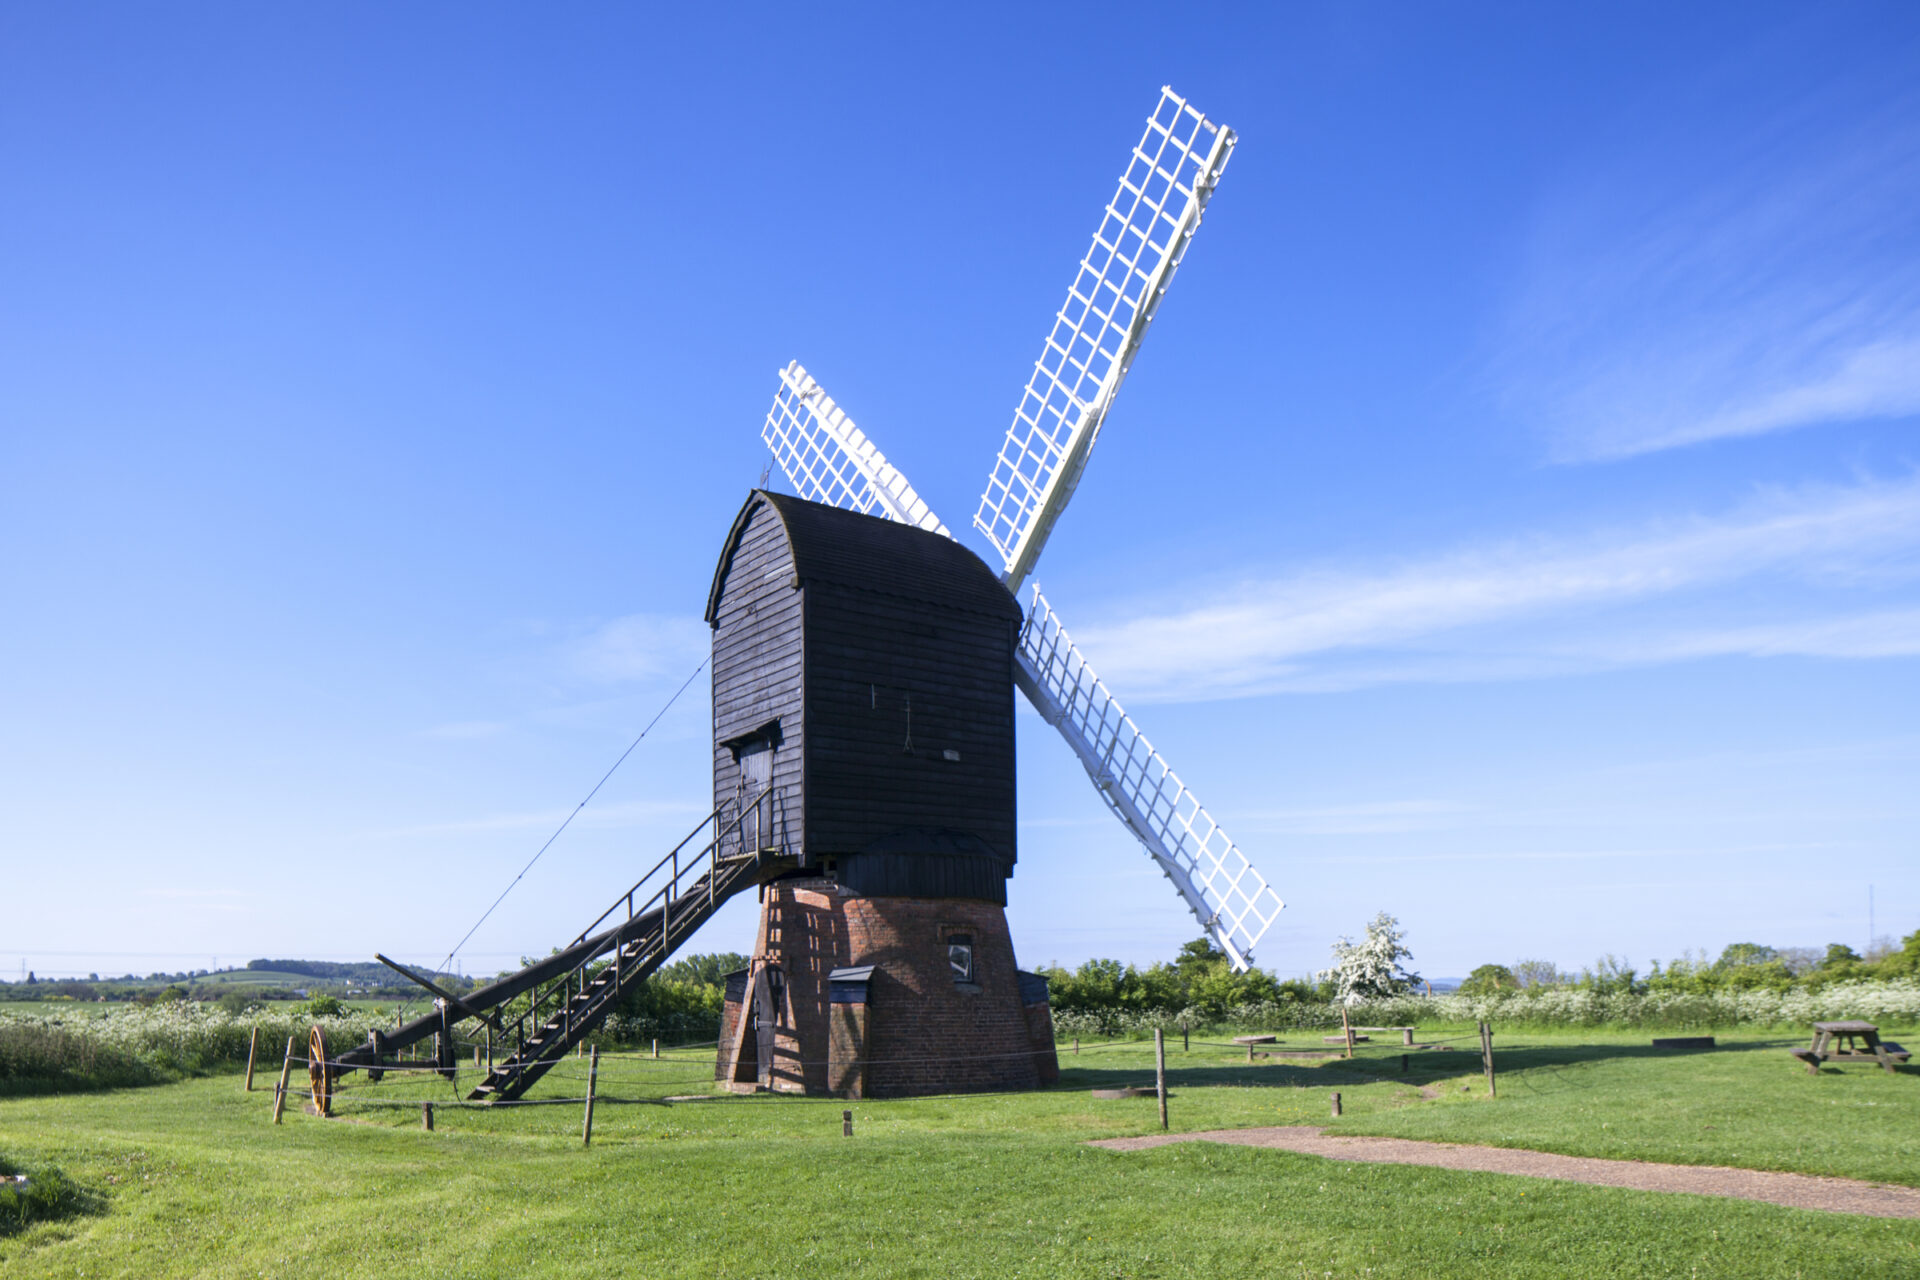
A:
[(829, 460), (1232, 900), (1096, 335)]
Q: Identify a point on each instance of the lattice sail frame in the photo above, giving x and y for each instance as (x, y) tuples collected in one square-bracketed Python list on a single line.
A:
[(1232, 900), (829, 460), (1136, 250)]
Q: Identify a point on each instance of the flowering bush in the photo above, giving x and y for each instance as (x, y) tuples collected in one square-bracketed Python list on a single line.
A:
[(178, 1035), (37, 1056), (1897, 1000), (1370, 969)]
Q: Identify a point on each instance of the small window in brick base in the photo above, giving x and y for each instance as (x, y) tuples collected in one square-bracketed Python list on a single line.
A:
[(960, 956)]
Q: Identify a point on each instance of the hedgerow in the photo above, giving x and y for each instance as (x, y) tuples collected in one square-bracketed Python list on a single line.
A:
[(1893, 1001)]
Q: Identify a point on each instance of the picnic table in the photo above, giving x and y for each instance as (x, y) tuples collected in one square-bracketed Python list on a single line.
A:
[(1850, 1041)]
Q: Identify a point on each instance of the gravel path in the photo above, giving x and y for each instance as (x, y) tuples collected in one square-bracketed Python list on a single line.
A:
[(1795, 1190)]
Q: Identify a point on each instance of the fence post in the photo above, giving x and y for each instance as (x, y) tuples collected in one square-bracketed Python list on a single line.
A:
[(656, 1047), (593, 1079), (846, 1124), (1346, 1027), (426, 1116), (1160, 1072), (1184, 1046), (253, 1042), (280, 1090), (1486, 1054)]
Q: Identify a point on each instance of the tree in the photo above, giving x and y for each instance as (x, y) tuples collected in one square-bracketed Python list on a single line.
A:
[(1487, 979), (1198, 956), (1538, 973), (1799, 961), (1738, 954), (1906, 961), (709, 970), (235, 1003), (1611, 975), (1370, 967)]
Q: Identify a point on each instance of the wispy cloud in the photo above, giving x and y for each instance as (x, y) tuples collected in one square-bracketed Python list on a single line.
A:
[(1664, 853), (1750, 285), (1377, 818), (640, 646), (1489, 613), (1893, 633)]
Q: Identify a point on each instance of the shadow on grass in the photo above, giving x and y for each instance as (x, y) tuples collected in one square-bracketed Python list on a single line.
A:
[(49, 1197), (68, 1082), (1415, 1068)]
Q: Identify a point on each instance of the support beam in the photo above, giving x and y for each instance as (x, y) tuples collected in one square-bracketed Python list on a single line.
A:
[(453, 1002)]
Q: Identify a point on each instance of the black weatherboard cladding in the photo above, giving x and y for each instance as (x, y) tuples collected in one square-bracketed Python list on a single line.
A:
[(886, 654), (756, 658)]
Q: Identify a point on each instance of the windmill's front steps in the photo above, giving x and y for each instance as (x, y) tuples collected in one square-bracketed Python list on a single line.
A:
[(911, 1025)]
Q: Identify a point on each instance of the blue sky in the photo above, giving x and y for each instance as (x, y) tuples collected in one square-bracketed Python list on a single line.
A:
[(1512, 522)]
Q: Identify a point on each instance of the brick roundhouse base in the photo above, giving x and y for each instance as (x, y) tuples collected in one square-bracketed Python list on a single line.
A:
[(910, 1027)]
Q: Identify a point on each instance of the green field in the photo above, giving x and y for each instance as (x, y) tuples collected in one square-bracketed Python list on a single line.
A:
[(192, 1179)]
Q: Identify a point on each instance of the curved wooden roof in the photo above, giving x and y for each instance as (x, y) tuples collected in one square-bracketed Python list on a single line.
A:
[(869, 553)]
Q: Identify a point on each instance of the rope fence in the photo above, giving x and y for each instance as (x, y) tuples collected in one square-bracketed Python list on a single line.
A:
[(636, 1067), (650, 1071)]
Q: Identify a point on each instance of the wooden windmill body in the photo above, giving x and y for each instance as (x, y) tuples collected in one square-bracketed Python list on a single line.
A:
[(863, 699)]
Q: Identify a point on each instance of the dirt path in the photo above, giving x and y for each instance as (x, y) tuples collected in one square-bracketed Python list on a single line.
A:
[(1795, 1190)]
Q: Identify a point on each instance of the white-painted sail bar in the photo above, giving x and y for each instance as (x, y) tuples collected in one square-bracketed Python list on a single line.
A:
[(1231, 899), (1096, 335), (829, 460)]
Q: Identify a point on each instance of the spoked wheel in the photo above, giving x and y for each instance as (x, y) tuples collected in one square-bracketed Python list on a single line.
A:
[(319, 1071)]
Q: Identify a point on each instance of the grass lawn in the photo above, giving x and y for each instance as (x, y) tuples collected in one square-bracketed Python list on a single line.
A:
[(1744, 1103), (192, 1179)]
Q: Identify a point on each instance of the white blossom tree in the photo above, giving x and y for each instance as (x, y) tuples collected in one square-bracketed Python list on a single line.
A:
[(1371, 967)]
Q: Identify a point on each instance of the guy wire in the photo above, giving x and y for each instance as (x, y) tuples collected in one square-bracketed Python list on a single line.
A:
[(441, 967)]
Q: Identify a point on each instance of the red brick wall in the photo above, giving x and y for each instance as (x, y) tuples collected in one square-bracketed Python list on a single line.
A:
[(729, 1024), (847, 1051), (1040, 1036), (928, 1034), (925, 1033)]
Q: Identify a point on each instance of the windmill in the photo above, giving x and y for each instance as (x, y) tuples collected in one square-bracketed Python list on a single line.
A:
[(1142, 238), (864, 663)]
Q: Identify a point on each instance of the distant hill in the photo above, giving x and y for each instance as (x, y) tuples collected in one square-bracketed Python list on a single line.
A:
[(261, 979), (359, 972)]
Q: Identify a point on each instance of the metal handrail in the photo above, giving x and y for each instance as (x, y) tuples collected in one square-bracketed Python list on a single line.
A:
[(673, 856), (666, 895)]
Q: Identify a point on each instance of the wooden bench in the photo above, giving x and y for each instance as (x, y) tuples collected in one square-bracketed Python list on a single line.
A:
[(1826, 1035)]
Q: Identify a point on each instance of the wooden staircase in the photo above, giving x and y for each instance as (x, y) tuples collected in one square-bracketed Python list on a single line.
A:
[(575, 1004), (570, 993)]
